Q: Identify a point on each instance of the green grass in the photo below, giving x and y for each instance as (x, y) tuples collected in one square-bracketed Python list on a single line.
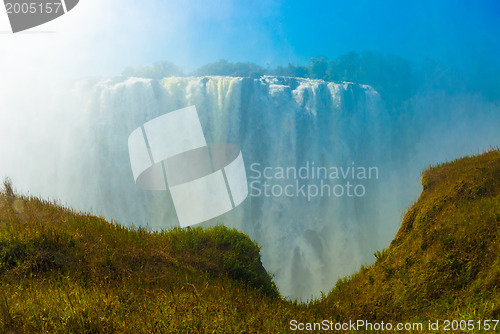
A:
[(68, 272), (444, 262)]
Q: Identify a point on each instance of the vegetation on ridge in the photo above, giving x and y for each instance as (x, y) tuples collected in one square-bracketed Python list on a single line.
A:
[(396, 78)]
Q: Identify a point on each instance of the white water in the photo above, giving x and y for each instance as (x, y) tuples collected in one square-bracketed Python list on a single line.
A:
[(75, 148), (276, 122)]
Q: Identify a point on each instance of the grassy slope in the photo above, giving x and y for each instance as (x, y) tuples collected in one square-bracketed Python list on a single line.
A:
[(62, 271), (444, 262)]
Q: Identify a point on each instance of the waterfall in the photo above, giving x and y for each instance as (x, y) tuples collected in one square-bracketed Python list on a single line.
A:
[(329, 177), (310, 135)]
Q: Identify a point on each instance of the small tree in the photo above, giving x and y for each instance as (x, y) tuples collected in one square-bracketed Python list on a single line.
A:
[(8, 189)]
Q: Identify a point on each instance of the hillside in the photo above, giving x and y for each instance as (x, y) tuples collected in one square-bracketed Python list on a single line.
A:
[(444, 262), (63, 272)]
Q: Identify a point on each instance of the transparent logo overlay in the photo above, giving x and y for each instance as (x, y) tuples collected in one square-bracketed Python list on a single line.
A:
[(310, 180), (204, 180)]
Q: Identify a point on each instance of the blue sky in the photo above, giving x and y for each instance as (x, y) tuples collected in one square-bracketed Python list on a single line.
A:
[(103, 37), (278, 32), (447, 29)]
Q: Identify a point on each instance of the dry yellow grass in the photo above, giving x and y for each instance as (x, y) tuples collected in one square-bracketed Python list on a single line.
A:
[(68, 272)]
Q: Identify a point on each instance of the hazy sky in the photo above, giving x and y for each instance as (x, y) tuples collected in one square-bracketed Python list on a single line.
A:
[(103, 37)]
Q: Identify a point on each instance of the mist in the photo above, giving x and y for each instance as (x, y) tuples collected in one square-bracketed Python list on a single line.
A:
[(426, 91)]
